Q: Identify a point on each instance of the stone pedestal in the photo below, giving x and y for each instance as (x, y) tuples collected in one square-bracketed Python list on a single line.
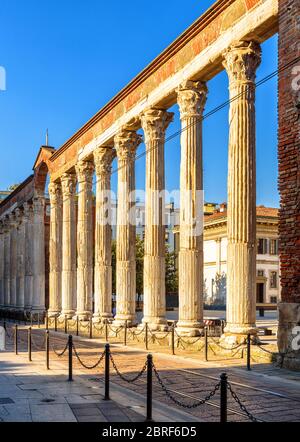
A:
[(13, 261), (126, 143), (38, 261), (155, 123), (103, 157), (241, 62), (28, 222), (20, 260), (84, 170), (55, 248), (191, 101), (68, 181)]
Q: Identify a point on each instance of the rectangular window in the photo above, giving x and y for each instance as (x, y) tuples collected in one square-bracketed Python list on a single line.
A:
[(273, 299), (260, 273), (273, 280), (273, 246), (262, 246)]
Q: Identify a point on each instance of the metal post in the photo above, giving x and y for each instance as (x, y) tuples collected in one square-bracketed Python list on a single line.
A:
[(66, 324), (77, 325), (149, 388), (55, 323), (47, 348), (16, 339), (107, 352), (223, 398), (125, 333), (70, 346), (173, 339), (146, 335), (29, 344), (106, 330), (91, 328), (47, 321), (249, 352), (38, 319), (31, 320), (4, 325), (206, 343)]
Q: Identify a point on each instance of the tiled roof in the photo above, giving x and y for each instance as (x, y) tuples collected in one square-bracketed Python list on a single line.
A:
[(260, 211)]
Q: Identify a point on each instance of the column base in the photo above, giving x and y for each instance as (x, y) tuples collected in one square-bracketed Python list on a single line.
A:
[(83, 316), (67, 313), (189, 328), (53, 313), (237, 333), (120, 320), (102, 317), (38, 309), (154, 324)]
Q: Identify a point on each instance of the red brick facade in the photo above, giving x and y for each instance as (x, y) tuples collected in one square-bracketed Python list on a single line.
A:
[(289, 148)]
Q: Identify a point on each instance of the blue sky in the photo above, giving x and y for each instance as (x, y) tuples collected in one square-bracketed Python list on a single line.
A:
[(65, 59)]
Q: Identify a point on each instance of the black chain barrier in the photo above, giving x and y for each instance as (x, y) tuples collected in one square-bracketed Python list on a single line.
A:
[(124, 378), (88, 367), (60, 353), (242, 406)]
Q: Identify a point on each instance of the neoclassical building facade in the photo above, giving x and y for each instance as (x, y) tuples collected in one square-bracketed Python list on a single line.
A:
[(227, 36)]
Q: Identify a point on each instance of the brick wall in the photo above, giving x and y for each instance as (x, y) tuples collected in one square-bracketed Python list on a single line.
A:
[(289, 149)]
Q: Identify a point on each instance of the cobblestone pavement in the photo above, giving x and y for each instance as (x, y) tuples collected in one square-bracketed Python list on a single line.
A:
[(268, 393)]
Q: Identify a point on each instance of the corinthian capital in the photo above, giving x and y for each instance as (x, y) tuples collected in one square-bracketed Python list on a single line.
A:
[(126, 143), (241, 61), (155, 122), (103, 157), (54, 190), (68, 184), (84, 171), (38, 204), (191, 98)]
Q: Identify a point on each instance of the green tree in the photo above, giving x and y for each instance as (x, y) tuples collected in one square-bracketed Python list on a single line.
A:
[(171, 271)]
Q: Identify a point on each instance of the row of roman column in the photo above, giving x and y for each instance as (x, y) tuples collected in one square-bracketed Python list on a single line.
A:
[(22, 258), (78, 273)]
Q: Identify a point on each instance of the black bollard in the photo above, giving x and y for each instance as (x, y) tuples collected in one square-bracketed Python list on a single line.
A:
[(125, 333), (55, 323), (47, 321), (29, 344), (77, 325), (16, 339), (173, 339), (149, 387), (38, 319), (66, 324), (106, 330), (47, 348), (91, 328), (249, 352), (206, 343), (223, 398), (106, 384), (31, 320), (146, 335), (70, 347)]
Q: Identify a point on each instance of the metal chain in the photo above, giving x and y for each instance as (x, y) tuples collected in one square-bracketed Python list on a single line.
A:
[(36, 346), (160, 338), (242, 407), (88, 367), (59, 354), (129, 380), (181, 404), (227, 348), (135, 334)]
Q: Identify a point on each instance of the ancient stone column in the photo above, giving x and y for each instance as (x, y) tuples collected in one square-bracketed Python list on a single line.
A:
[(103, 157), (38, 259), (1, 264), (68, 181), (13, 260), (155, 123), (55, 248), (6, 262), (28, 221), (126, 143), (84, 170), (20, 259), (241, 62), (191, 101)]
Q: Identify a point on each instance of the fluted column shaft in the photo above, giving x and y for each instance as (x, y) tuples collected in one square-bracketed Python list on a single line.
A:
[(84, 170), (13, 260), (68, 181), (55, 248), (6, 263), (155, 123), (28, 221), (241, 62), (126, 143), (38, 262), (103, 157), (20, 288), (2, 235), (191, 100)]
